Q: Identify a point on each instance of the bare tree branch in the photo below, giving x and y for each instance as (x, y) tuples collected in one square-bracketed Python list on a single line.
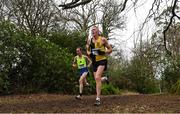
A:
[(169, 24), (33, 16), (69, 4), (124, 5), (74, 4)]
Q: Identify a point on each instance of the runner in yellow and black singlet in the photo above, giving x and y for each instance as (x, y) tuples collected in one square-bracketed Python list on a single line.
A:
[(98, 48)]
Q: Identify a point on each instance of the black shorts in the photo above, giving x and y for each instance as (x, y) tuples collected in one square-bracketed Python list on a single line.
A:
[(99, 63)]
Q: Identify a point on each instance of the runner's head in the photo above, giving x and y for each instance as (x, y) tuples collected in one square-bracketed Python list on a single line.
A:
[(79, 51), (95, 31)]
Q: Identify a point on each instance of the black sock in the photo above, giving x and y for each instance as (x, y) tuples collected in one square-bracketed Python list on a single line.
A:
[(80, 94)]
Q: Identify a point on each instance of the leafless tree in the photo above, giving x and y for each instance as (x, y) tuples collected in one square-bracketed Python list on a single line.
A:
[(34, 16), (112, 18), (80, 18), (106, 14), (4, 12), (170, 13)]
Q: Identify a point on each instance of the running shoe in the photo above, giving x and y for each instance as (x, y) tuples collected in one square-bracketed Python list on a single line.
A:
[(78, 97)]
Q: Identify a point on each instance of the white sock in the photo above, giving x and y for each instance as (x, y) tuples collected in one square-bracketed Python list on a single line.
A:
[(103, 79), (97, 98)]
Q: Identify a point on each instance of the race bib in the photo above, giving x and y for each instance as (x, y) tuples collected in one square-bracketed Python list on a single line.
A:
[(82, 66), (95, 51)]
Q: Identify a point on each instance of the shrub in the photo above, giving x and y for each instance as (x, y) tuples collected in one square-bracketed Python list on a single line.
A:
[(108, 89), (176, 88), (32, 64)]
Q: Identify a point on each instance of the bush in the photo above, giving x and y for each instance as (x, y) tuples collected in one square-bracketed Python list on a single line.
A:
[(108, 89), (176, 88), (51, 69), (68, 39), (171, 74), (32, 64)]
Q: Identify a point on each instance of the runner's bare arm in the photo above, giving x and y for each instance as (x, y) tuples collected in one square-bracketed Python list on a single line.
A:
[(74, 61), (107, 45), (88, 48), (89, 61)]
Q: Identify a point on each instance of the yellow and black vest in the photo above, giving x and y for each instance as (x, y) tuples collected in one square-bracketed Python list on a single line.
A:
[(98, 45)]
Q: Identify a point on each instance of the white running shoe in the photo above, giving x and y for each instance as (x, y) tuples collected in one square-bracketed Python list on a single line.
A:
[(78, 97), (97, 103), (87, 84)]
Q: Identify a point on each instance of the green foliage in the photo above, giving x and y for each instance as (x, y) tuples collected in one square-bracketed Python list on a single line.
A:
[(32, 64), (9, 54), (136, 74), (171, 73), (120, 78), (141, 75), (108, 89), (69, 40), (51, 66), (176, 88)]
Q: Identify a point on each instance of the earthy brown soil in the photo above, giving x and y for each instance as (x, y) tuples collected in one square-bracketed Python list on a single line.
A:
[(160, 103)]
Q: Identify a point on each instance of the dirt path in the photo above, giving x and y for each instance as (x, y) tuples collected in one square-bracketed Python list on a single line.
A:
[(111, 103)]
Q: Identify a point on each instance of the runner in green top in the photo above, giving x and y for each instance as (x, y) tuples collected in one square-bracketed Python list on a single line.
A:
[(80, 61)]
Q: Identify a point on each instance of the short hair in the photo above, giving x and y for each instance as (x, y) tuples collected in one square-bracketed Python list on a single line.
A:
[(79, 48), (95, 27), (99, 32)]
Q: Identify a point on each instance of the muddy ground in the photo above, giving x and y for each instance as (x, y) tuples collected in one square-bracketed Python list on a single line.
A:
[(158, 103)]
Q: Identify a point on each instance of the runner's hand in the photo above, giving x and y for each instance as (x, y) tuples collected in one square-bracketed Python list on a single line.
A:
[(88, 65), (74, 65)]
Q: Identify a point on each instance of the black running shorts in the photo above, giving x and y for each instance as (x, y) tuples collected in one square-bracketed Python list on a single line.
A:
[(100, 63)]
